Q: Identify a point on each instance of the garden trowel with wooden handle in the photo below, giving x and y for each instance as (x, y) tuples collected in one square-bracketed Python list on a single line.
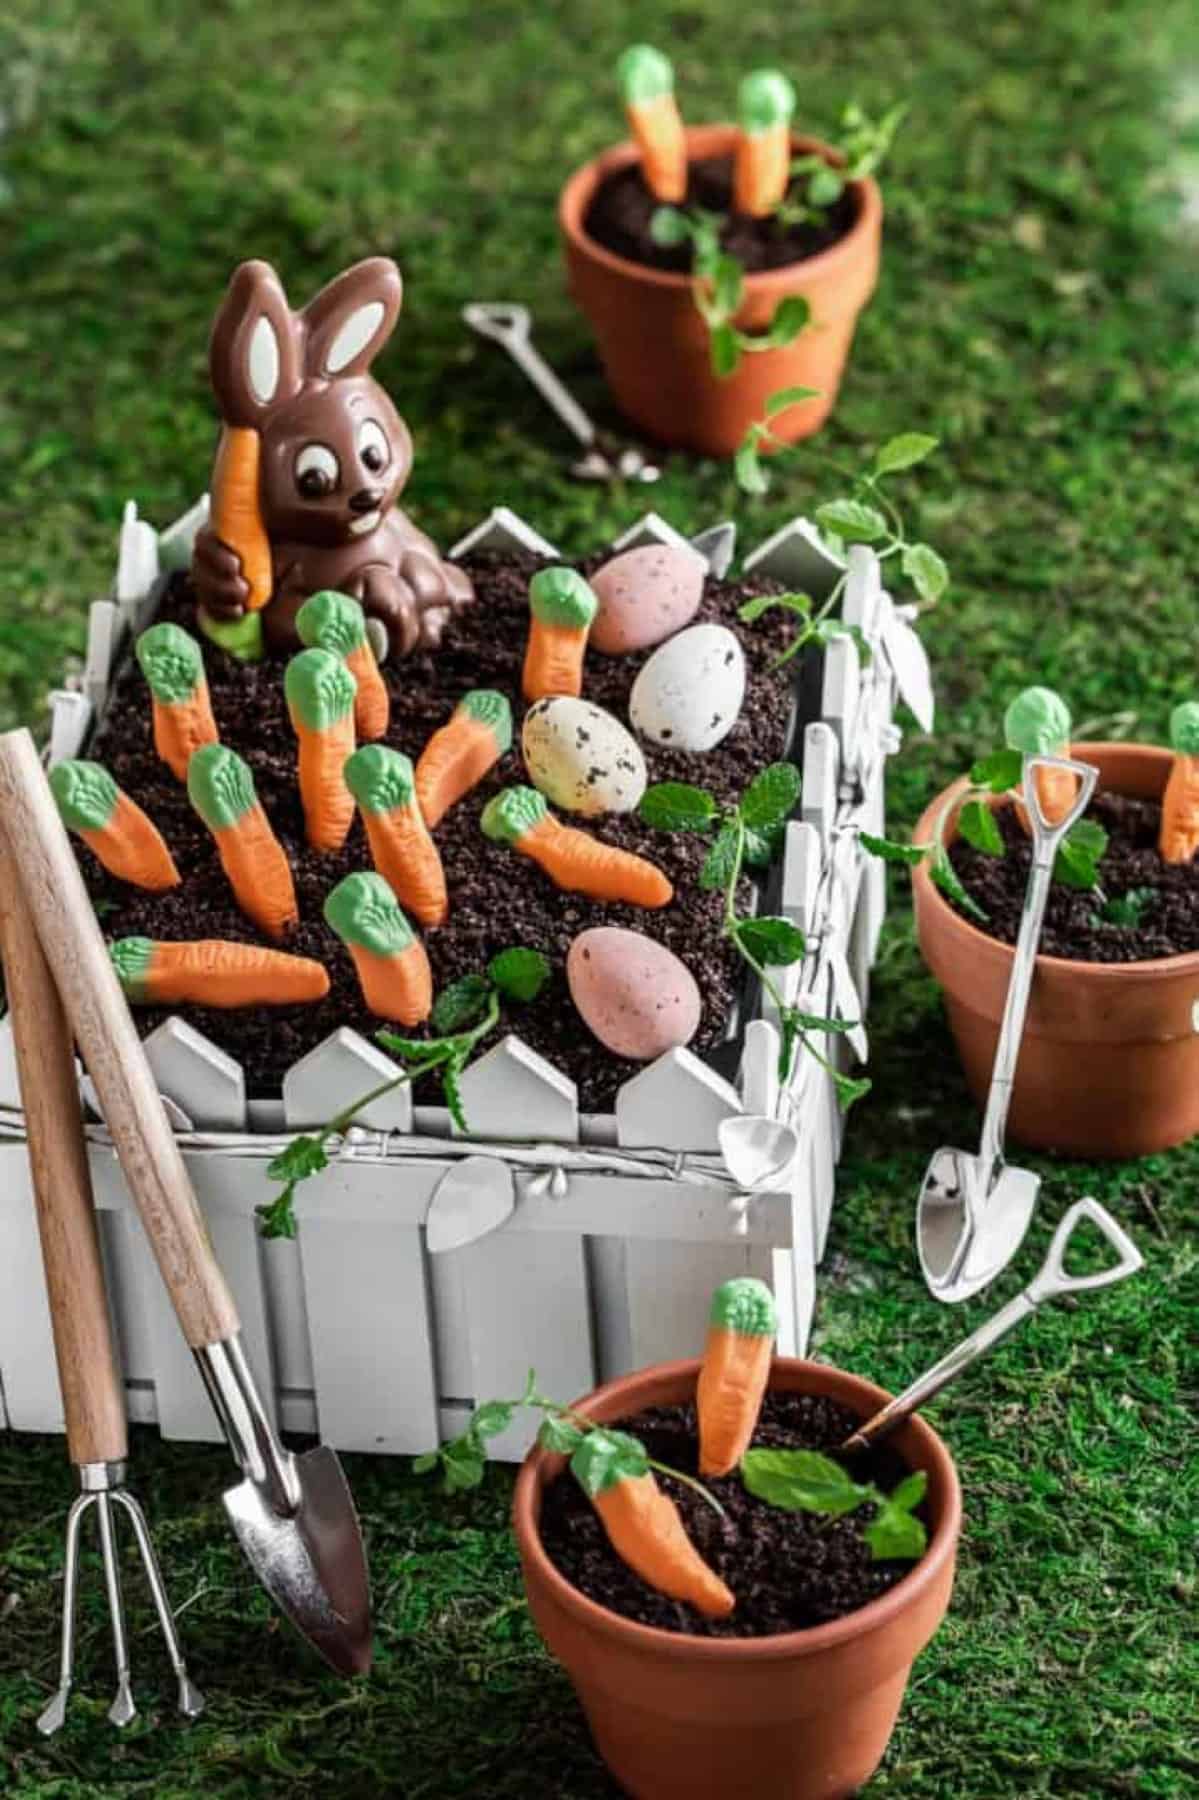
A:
[(293, 1514)]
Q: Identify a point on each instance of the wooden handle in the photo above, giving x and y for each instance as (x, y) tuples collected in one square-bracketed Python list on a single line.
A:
[(61, 911), (92, 1398)]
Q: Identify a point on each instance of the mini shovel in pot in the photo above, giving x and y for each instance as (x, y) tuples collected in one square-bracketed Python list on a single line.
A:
[(293, 1515), (974, 1210), (1049, 1283)]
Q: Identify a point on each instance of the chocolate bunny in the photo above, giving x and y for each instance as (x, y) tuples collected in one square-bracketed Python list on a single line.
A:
[(332, 456)]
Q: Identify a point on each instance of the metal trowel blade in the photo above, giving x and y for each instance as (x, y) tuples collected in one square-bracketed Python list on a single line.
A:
[(967, 1227), (312, 1561)]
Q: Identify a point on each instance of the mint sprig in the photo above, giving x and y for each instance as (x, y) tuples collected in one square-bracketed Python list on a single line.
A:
[(806, 1481), (718, 289)]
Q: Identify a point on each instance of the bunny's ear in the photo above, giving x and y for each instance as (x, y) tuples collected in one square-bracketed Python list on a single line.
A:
[(254, 351), (349, 321)]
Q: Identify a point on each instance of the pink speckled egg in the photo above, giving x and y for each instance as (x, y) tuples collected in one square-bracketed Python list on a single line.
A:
[(645, 595), (631, 992)]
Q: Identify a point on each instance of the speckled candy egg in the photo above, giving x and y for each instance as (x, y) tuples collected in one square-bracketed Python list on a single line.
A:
[(689, 694), (582, 759), (631, 992), (645, 595)]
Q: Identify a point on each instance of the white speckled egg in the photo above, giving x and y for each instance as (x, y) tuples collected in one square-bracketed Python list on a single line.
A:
[(645, 595), (689, 694), (631, 992), (582, 759)]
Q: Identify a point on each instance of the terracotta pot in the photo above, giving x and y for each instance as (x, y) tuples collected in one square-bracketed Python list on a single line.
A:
[(654, 344), (802, 1716), (1109, 1064)]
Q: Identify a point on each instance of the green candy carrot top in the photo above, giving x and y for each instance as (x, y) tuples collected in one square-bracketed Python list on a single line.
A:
[(131, 958), (561, 610), (764, 99), (507, 817), (458, 756), (336, 622), (173, 666), (390, 959), (383, 783), (1038, 723), (221, 788), (112, 825), (320, 694), (320, 690), (746, 1305)]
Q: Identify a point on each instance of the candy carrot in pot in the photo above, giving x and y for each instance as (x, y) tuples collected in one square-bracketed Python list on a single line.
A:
[(336, 622), (173, 666), (736, 1367), (762, 168), (1038, 723), (113, 826), (320, 700), (214, 972), (573, 859), (457, 757), (643, 1524), (647, 84), (561, 610), (390, 959), (382, 782), (1178, 839), (221, 788)]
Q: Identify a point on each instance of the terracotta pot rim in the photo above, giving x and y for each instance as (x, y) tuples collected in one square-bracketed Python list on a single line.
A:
[(579, 187), (1163, 968), (815, 1639)]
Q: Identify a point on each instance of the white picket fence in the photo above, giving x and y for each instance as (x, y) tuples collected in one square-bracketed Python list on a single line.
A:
[(587, 1247)]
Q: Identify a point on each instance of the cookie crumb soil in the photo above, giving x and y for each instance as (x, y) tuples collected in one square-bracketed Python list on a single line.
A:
[(788, 1570)]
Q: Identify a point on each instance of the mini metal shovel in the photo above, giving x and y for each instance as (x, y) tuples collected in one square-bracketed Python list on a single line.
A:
[(974, 1210), (603, 459), (1049, 1283)]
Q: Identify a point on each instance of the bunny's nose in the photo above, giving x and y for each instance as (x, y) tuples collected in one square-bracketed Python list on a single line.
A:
[(366, 500)]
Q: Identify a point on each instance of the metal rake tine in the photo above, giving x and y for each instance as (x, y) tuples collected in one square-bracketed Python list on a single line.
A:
[(50, 1720), (123, 1708), (191, 1700)]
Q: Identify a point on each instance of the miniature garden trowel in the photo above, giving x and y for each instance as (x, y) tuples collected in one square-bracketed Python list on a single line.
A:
[(293, 1514), (602, 460), (93, 1402), (1049, 1283), (974, 1210)]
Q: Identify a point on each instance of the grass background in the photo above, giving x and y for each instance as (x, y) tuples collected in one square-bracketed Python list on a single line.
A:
[(1037, 313)]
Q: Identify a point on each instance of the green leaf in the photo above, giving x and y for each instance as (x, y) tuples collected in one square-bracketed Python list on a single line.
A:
[(753, 609), (775, 942), (926, 571), (789, 396), (1126, 909), (519, 973), (451, 1089), (461, 1003), (494, 1416), (789, 318), (669, 227), (802, 1481), (903, 452), (1000, 771), (806, 1021), (605, 1457), (894, 1534), (771, 795), (748, 469), (976, 823), (278, 1218), (910, 1491), (824, 631), (1077, 862), (425, 1464), (852, 520), (676, 806), (825, 186), (721, 859), (728, 285), (724, 350), (464, 1464), (849, 1089), (946, 878), (304, 1156), (560, 1434), (761, 847), (888, 851)]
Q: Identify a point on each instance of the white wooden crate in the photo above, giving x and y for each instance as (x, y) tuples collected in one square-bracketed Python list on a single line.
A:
[(621, 1225)]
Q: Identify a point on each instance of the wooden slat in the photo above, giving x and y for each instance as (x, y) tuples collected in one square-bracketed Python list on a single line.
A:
[(513, 1092), (503, 529), (677, 1103), (796, 556), (32, 1398), (205, 1083), (821, 772), (341, 1069)]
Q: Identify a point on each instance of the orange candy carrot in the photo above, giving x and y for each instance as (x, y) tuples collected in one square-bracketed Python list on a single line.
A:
[(762, 167), (736, 1367), (335, 622), (573, 859), (561, 609), (647, 85), (320, 700), (214, 972), (394, 972), (457, 757), (1178, 838), (236, 518), (221, 788), (171, 661), (382, 782), (643, 1524), (113, 826), (1038, 723)]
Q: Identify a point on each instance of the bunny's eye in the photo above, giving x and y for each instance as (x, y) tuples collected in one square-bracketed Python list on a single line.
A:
[(317, 471), (373, 446)]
